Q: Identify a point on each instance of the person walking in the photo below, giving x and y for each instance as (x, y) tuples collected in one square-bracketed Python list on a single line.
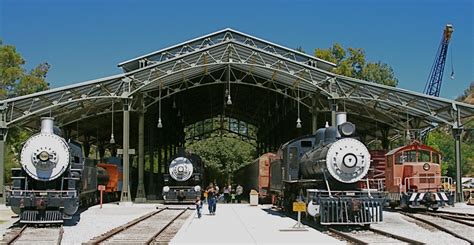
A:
[(226, 194), (198, 203), (239, 191), (212, 199)]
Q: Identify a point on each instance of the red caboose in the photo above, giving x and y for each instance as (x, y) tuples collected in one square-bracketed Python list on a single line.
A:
[(413, 178)]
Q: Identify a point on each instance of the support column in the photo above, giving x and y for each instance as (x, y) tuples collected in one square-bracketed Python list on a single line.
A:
[(457, 131), (333, 112), (126, 144), (314, 114), (3, 139), (141, 197), (151, 152)]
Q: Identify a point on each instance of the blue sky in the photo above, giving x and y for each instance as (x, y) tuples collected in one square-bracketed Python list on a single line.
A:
[(85, 40)]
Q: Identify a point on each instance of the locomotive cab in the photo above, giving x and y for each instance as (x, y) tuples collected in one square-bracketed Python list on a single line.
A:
[(413, 177)]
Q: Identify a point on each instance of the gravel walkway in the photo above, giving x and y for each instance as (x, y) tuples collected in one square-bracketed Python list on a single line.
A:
[(95, 221), (460, 208), (404, 226), (6, 219)]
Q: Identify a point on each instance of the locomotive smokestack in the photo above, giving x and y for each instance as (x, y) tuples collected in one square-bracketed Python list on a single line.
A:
[(341, 117), (47, 125)]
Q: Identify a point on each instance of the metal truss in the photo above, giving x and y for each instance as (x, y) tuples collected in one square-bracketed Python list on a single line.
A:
[(236, 59), (218, 127)]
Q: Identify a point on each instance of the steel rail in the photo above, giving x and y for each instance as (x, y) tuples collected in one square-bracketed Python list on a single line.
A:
[(165, 227), (439, 227), (126, 226), (14, 238), (450, 217), (61, 233), (346, 236), (401, 238), (455, 213)]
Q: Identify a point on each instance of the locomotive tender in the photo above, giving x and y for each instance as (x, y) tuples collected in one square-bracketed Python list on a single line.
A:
[(54, 178), (184, 179), (323, 170)]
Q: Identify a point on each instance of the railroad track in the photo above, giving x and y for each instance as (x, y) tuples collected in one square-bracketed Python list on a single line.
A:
[(359, 234), (454, 213), (34, 235), (445, 224), (156, 227), (459, 218), (370, 235)]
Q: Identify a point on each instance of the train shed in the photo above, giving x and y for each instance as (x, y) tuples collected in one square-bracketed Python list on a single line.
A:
[(225, 74)]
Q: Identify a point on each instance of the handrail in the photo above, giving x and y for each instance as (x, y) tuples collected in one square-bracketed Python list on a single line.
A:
[(407, 181)]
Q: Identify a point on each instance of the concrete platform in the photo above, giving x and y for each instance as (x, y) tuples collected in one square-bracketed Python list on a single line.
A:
[(244, 224)]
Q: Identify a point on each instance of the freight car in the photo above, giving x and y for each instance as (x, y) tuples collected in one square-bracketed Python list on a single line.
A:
[(184, 178), (256, 176), (413, 178), (323, 171)]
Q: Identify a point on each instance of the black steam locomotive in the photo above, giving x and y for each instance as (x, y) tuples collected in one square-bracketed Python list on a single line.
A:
[(184, 178), (54, 178), (322, 170)]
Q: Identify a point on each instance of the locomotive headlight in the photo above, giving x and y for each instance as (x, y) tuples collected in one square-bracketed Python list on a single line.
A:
[(166, 188), (44, 156), (346, 129), (197, 188), (426, 166)]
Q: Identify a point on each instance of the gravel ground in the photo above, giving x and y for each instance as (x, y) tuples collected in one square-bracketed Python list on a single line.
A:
[(6, 219), (459, 207), (95, 221), (404, 226)]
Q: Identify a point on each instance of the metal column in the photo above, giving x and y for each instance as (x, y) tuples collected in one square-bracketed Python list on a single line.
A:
[(126, 145), (314, 114), (141, 197), (151, 152), (3, 138), (457, 131), (333, 112)]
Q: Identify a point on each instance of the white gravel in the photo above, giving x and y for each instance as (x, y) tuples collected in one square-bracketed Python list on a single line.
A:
[(459, 208), (7, 218), (404, 226), (95, 221)]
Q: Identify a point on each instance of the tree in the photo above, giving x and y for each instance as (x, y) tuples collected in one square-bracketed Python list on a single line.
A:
[(442, 139), (223, 155), (352, 63), (15, 81)]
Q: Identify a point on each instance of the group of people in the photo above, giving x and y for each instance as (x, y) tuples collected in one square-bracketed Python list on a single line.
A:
[(211, 196), (232, 193)]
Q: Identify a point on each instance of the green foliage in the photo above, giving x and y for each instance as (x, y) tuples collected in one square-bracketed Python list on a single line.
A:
[(443, 140), (15, 81), (223, 155), (352, 63)]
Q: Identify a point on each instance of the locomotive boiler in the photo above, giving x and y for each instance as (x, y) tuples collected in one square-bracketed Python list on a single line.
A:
[(323, 170), (184, 178), (47, 187), (343, 161)]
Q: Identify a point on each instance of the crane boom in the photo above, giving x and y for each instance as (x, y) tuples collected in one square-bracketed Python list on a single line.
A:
[(433, 85)]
